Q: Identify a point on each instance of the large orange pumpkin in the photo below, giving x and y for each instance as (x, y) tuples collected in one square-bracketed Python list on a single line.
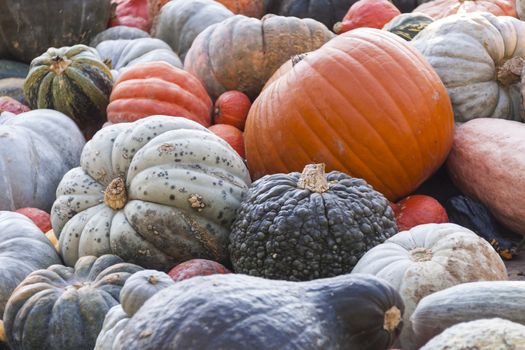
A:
[(158, 88), (250, 8), (442, 8), (366, 103)]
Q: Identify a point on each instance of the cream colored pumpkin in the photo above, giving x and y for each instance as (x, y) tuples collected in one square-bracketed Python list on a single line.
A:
[(429, 258), (472, 55), (155, 192)]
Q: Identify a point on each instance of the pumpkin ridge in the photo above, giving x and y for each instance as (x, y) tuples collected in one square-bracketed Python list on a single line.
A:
[(59, 86), (160, 108), (45, 85), (93, 92)]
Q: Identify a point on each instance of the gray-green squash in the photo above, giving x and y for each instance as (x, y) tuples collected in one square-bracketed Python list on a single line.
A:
[(118, 33), (63, 308), (155, 192), (13, 69), (36, 149)]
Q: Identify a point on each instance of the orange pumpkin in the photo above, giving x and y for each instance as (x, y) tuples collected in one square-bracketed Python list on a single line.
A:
[(367, 13), (442, 8), (232, 108), (366, 103), (158, 88), (418, 209), (232, 135), (250, 8)]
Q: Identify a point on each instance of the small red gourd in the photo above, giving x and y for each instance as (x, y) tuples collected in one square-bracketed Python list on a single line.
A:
[(9, 104), (130, 13), (367, 13), (417, 210), (196, 267), (232, 135), (232, 108), (38, 216)]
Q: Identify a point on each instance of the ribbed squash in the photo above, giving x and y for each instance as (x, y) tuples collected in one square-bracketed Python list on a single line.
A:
[(347, 105), (442, 8), (74, 81)]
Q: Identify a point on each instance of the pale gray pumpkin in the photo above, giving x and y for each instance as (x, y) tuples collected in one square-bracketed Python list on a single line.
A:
[(36, 149), (118, 33), (429, 258), (109, 337), (485, 334), (479, 58), (180, 21), (155, 192), (121, 54)]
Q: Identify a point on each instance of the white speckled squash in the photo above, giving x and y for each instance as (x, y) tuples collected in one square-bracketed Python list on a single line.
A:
[(429, 258), (36, 149), (155, 192), (472, 55), (485, 334)]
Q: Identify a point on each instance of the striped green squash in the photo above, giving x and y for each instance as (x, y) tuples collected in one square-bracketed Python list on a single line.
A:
[(72, 80)]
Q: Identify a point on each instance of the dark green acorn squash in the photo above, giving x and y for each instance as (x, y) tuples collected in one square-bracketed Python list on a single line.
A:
[(13, 69), (233, 311), (74, 81), (408, 25), (306, 226), (29, 27), (63, 308), (118, 33)]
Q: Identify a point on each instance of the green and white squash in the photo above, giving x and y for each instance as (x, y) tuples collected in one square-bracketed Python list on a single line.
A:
[(479, 58), (74, 81), (36, 149), (63, 308), (155, 192), (408, 25)]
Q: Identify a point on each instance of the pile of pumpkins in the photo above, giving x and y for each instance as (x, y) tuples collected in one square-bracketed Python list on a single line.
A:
[(232, 174)]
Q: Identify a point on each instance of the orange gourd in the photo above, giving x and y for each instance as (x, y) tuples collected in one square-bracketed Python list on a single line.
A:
[(418, 209), (232, 108), (442, 8), (250, 8), (158, 88), (367, 13), (230, 134), (366, 103)]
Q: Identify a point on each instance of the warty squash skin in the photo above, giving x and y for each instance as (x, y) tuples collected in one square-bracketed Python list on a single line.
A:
[(241, 53), (74, 81), (468, 302), (36, 149), (236, 311), (155, 192), (306, 226), (479, 57), (63, 308), (180, 21), (429, 258), (347, 106)]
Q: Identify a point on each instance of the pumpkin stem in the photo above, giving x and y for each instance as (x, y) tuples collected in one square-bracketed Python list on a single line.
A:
[(153, 280), (108, 62), (510, 71), (59, 64), (392, 319), (313, 178), (115, 195), (338, 27), (421, 254)]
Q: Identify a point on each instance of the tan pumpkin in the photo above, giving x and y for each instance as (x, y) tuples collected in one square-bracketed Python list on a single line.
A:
[(442, 8)]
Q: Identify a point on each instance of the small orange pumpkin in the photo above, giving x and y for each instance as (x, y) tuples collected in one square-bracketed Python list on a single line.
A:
[(442, 8), (230, 134), (232, 108), (158, 88), (367, 13), (417, 210), (41, 218)]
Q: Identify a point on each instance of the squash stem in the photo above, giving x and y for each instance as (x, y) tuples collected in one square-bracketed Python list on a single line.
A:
[(313, 178), (115, 195), (509, 72)]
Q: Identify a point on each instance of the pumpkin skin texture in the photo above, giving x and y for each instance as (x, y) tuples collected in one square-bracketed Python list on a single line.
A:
[(287, 216), (41, 219), (140, 287), (408, 25), (13, 69), (116, 201), (232, 108), (232, 135), (131, 13), (23, 249), (48, 24), (158, 88), (9, 104), (480, 79), (320, 314), (222, 61), (325, 109), (249, 8), (417, 210), (47, 144), (63, 307), (74, 81), (367, 13), (495, 333), (429, 258), (196, 267), (118, 33), (327, 12), (442, 8), (180, 21), (468, 302), (486, 157)]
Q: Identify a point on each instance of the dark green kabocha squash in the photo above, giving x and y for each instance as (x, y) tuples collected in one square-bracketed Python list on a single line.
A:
[(239, 312), (305, 226), (72, 80), (408, 25), (63, 308)]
